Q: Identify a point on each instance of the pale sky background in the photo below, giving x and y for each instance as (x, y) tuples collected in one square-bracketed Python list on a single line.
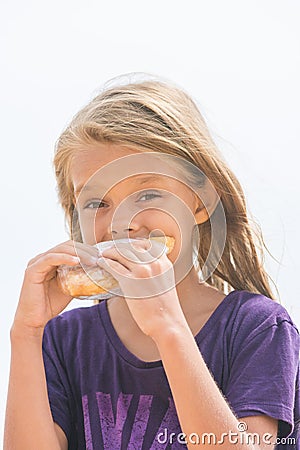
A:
[(240, 60)]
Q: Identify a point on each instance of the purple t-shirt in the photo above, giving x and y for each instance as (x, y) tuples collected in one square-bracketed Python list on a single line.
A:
[(104, 397)]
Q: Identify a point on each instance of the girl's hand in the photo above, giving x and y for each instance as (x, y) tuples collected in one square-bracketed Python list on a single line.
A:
[(41, 297), (146, 277)]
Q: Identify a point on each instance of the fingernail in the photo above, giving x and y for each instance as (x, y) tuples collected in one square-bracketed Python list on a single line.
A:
[(76, 259), (93, 260)]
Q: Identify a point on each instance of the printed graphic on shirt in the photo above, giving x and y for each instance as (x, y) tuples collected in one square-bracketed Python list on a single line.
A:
[(112, 424)]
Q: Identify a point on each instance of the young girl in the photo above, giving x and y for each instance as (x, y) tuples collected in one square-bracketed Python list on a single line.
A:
[(195, 352)]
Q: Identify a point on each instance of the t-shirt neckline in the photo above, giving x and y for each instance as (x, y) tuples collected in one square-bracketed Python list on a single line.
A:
[(132, 359)]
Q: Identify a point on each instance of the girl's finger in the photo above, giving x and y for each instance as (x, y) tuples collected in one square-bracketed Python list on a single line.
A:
[(38, 270), (113, 267), (122, 256), (87, 254), (149, 253), (129, 257), (157, 249)]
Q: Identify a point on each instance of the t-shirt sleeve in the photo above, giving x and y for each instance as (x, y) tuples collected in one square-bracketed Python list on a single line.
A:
[(264, 364), (57, 383)]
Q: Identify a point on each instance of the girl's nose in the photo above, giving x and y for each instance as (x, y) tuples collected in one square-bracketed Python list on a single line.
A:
[(122, 229), (123, 225)]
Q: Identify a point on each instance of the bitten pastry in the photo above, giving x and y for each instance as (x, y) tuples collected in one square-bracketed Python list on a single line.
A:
[(85, 281)]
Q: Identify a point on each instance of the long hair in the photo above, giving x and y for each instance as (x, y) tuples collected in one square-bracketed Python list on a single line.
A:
[(156, 116)]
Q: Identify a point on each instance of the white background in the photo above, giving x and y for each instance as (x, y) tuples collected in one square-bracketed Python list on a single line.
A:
[(239, 60)]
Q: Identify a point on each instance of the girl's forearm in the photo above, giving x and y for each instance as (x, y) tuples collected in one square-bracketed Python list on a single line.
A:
[(29, 424), (200, 405)]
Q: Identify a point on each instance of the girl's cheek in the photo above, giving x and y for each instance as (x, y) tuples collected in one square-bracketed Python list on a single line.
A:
[(87, 236), (160, 221), (175, 253), (90, 229)]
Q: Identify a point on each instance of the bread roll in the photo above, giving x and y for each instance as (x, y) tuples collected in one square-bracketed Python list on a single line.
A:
[(86, 281)]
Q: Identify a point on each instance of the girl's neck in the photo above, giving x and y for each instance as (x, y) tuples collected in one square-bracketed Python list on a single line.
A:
[(198, 302), (197, 296), (197, 299)]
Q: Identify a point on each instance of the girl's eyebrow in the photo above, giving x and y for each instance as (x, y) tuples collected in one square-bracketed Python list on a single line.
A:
[(82, 188), (148, 178), (140, 181)]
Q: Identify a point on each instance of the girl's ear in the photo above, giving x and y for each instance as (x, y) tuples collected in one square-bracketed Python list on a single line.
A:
[(207, 202)]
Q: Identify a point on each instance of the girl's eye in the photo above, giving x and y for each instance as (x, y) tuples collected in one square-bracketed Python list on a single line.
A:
[(149, 195), (95, 204)]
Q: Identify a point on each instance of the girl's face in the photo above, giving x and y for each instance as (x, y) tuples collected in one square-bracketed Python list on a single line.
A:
[(121, 193)]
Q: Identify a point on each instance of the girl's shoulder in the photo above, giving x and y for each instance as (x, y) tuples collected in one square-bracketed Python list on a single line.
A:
[(258, 306), (250, 313), (74, 325)]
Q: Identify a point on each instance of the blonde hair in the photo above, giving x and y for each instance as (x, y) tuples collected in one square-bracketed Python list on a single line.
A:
[(156, 115)]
